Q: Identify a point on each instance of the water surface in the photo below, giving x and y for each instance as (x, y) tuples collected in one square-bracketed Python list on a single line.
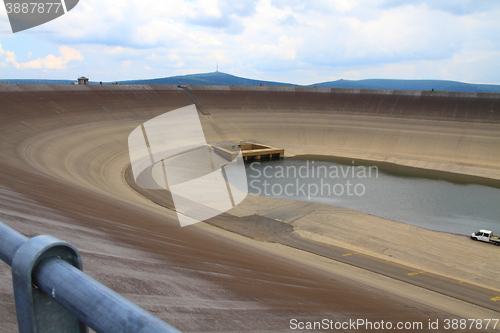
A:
[(428, 203)]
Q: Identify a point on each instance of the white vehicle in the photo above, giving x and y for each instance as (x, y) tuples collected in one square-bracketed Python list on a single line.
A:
[(485, 236)]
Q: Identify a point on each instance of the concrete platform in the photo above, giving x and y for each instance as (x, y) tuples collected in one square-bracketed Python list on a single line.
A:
[(249, 150)]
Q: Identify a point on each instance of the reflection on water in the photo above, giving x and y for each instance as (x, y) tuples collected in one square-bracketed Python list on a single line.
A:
[(427, 203)]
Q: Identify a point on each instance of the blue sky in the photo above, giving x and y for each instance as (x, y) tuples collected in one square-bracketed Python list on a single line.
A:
[(301, 42)]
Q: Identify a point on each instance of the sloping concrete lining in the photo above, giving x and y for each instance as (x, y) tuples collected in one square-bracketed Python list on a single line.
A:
[(64, 148), (170, 152)]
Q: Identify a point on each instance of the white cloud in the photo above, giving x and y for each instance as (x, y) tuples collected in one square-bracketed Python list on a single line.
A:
[(126, 64), (67, 54), (290, 40), (114, 50), (8, 57)]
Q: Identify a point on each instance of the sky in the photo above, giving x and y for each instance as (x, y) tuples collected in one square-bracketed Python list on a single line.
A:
[(301, 42)]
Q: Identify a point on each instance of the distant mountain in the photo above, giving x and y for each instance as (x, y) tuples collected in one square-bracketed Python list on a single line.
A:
[(437, 85), (214, 78), (219, 78), (223, 79)]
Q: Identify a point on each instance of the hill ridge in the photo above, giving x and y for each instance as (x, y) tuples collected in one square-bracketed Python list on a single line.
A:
[(225, 79)]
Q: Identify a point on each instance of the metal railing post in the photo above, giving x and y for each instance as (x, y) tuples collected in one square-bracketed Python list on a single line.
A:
[(36, 311), (52, 294)]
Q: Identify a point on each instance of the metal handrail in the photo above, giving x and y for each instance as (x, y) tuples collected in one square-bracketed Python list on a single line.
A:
[(87, 300)]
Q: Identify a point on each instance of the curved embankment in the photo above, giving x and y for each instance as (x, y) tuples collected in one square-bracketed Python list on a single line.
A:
[(63, 151), (452, 132), (455, 136), (452, 136)]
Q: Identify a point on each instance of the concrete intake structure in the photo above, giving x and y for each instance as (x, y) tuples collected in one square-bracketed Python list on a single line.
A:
[(249, 150)]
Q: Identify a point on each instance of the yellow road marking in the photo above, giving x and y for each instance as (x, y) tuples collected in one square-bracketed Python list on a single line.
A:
[(349, 254), (494, 299), (415, 273)]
